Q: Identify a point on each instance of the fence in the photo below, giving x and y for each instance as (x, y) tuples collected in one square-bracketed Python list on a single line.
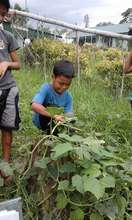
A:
[(35, 27)]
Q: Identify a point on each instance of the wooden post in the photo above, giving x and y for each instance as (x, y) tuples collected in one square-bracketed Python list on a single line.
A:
[(130, 45), (123, 74), (45, 70), (77, 56), (130, 42)]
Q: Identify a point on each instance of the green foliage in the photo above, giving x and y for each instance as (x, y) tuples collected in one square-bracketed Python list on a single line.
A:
[(108, 182), (96, 216), (110, 69), (6, 168), (53, 50), (61, 201), (98, 189), (49, 51), (90, 182), (61, 149), (1, 182), (77, 214), (78, 183), (105, 65), (83, 176), (55, 110), (113, 54)]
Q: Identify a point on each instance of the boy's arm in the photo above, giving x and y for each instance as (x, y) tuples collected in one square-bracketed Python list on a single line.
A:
[(128, 64), (42, 111), (13, 64), (36, 107)]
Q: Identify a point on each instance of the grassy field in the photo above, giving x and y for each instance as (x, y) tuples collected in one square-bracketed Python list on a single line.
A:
[(97, 112), (93, 104)]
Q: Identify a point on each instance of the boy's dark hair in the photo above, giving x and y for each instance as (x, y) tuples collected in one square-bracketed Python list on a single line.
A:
[(6, 3), (64, 68)]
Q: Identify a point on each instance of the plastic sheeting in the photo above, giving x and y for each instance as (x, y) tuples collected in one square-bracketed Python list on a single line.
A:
[(11, 210), (9, 215)]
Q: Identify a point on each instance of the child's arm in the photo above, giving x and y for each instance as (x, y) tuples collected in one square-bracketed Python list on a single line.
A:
[(13, 64), (42, 111), (128, 64)]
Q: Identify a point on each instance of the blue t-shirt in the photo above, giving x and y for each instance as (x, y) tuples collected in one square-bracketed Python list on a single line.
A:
[(47, 96)]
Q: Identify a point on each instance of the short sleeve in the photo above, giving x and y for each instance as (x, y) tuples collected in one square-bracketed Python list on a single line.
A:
[(13, 45), (69, 104), (41, 95)]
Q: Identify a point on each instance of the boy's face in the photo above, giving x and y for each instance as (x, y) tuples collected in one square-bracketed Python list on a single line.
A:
[(61, 83), (3, 12)]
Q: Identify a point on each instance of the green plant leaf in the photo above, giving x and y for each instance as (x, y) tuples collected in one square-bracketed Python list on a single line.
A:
[(108, 154), (73, 138), (108, 163), (93, 185), (96, 216), (76, 138), (122, 204), (128, 165), (6, 168), (68, 168), (108, 208), (53, 170), (93, 170), (77, 182), (108, 181), (55, 110), (77, 214), (61, 201), (63, 185), (65, 137), (42, 163), (47, 216), (61, 149), (1, 182), (92, 141), (82, 152)]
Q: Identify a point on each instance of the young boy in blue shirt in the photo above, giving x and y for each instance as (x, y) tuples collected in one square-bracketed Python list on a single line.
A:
[(54, 94)]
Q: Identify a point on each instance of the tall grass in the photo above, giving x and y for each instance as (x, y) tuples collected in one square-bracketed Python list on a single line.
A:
[(94, 106)]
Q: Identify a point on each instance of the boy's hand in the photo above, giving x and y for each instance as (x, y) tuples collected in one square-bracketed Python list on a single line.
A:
[(3, 67), (59, 117)]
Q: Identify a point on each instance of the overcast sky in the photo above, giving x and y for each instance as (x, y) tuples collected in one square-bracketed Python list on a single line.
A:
[(73, 11)]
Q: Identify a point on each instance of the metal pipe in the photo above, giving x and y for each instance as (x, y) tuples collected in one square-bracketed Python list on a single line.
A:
[(70, 26)]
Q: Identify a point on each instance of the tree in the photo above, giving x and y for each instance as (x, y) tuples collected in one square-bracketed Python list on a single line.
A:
[(86, 21), (127, 16), (104, 24)]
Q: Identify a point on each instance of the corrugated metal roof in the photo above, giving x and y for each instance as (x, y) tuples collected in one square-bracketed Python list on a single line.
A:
[(116, 28)]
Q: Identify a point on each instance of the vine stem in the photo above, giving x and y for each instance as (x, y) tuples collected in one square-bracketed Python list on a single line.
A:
[(58, 123), (69, 126), (65, 125), (32, 153)]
